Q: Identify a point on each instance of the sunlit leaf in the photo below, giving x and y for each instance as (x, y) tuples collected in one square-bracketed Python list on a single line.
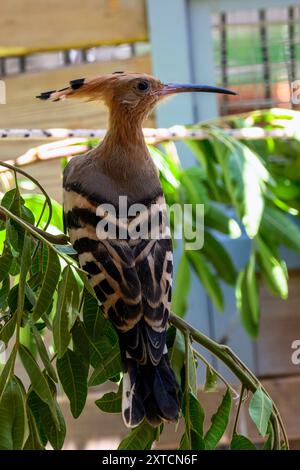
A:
[(182, 287), (272, 269), (206, 277), (260, 410), (247, 298), (218, 256), (280, 227), (219, 422)]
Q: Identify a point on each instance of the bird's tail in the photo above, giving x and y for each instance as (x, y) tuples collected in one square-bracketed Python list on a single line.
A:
[(149, 392)]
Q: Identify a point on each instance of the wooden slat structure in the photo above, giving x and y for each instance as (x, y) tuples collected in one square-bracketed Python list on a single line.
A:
[(279, 327), (28, 26), (23, 110)]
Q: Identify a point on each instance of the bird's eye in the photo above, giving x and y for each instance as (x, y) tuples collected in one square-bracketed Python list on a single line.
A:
[(143, 85)]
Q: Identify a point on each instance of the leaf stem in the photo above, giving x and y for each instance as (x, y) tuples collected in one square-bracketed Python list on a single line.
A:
[(187, 386), (238, 410)]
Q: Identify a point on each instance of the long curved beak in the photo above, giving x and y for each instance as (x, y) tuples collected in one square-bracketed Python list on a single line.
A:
[(172, 88)]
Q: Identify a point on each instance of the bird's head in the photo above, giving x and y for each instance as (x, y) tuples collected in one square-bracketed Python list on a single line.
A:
[(132, 93)]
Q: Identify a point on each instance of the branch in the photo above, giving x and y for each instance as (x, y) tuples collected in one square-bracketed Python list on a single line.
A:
[(237, 367), (60, 239)]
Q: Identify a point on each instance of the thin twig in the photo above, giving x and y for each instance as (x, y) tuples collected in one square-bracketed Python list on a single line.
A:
[(202, 358), (187, 385), (238, 411), (35, 181)]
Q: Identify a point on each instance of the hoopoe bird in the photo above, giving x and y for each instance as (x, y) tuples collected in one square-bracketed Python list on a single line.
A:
[(131, 276)]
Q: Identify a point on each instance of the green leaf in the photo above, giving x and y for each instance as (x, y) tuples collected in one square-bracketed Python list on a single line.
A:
[(177, 354), (196, 414), (81, 340), (194, 419), (182, 287), (13, 417), (48, 428), (7, 371), (219, 422), (195, 190), (61, 333), (192, 370), (111, 402), (24, 268), (217, 219), (166, 167), (34, 441), (50, 281), (5, 262), (240, 442), (245, 178), (272, 270), (35, 202), (109, 362), (140, 438), (260, 410), (93, 318), (206, 277), (211, 380), (247, 298), (280, 227), (269, 442), (184, 442), (38, 380), (73, 373), (4, 291), (219, 258), (203, 151), (8, 329), (103, 343), (43, 353)]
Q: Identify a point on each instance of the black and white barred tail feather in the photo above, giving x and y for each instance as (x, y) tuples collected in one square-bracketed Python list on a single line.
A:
[(149, 392)]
